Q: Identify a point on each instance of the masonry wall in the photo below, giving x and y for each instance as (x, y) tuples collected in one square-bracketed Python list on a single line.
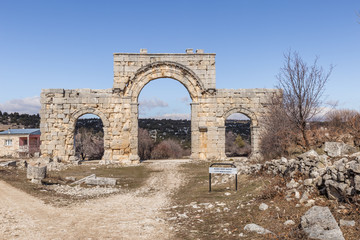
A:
[(118, 107), (127, 65), (10, 151)]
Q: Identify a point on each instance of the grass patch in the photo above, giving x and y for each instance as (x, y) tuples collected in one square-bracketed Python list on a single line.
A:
[(128, 178), (223, 213)]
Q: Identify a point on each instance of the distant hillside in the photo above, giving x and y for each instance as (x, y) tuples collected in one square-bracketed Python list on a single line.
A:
[(159, 129), (17, 120)]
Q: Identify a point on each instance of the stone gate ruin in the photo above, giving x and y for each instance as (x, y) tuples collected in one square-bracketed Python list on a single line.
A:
[(118, 107)]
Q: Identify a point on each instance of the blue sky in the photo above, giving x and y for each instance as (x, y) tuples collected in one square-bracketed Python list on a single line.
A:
[(70, 44)]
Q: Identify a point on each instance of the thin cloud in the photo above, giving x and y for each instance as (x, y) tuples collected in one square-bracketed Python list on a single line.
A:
[(174, 116), (152, 103), (185, 99), (29, 105)]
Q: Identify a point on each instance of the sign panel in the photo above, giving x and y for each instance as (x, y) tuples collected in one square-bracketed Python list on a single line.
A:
[(223, 170)]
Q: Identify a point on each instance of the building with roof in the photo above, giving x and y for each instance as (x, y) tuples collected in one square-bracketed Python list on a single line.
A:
[(19, 142)]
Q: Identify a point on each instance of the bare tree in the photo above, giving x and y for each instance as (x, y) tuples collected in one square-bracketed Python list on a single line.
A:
[(303, 87), (146, 144), (344, 122), (280, 135), (88, 144)]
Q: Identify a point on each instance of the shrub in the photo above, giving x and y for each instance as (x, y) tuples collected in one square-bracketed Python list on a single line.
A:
[(344, 123), (235, 145), (167, 149), (145, 145), (88, 144), (280, 136)]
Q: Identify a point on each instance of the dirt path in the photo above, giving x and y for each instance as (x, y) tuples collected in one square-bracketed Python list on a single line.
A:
[(124, 216)]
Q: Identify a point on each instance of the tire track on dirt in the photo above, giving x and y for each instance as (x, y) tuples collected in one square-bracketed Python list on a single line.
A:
[(134, 215)]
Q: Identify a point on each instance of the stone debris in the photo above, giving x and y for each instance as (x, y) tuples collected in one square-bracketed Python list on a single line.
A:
[(347, 223), (84, 192), (101, 181), (338, 178), (319, 223), (336, 149), (73, 179), (289, 222), (22, 164), (36, 172), (256, 228), (83, 179), (263, 207), (8, 164), (292, 184), (93, 180), (56, 166)]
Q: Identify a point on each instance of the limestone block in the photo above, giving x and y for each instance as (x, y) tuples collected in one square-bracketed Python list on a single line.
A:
[(36, 172)]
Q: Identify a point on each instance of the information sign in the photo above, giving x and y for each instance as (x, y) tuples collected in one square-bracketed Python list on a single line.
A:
[(223, 170)]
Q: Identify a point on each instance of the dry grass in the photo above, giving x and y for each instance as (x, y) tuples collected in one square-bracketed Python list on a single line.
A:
[(129, 178), (241, 208)]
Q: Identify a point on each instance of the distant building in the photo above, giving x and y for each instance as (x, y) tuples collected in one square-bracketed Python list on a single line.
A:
[(19, 142)]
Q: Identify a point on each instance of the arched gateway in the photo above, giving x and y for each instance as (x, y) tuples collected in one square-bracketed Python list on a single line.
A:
[(118, 107)]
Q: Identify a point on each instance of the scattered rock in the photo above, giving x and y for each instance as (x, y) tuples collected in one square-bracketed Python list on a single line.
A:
[(100, 181), (84, 192), (292, 184), (73, 179), (346, 223), (310, 203), (263, 206), (55, 166), (23, 164), (312, 154), (308, 182), (357, 182), (35, 172), (289, 222), (319, 223), (74, 159), (336, 190), (336, 149), (304, 197), (8, 164), (256, 228)]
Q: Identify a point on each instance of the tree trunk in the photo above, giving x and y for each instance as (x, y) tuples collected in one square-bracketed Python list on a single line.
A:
[(306, 140)]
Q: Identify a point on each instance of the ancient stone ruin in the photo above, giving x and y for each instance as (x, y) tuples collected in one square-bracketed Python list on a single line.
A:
[(118, 107)]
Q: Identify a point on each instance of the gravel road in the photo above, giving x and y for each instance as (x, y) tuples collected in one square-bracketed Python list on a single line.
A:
[(134, 215)]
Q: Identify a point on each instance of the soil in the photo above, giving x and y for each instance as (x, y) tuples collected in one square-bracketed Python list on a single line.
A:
[(132, 215), (157, 200)]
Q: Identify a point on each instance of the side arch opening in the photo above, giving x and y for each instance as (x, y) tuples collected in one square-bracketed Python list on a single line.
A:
[(245, 124), (237, 135), (89, 137)]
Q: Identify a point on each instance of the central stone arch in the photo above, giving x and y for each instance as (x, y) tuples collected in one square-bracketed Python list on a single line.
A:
[(165, 69)]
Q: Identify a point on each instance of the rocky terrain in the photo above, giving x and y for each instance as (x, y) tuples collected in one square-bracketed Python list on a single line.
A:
[(310, 196)]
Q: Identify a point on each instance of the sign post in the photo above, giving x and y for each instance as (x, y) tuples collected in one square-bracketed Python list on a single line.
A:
[(223, 170)]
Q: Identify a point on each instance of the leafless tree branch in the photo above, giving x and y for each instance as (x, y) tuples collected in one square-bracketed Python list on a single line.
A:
[(303, 87)]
